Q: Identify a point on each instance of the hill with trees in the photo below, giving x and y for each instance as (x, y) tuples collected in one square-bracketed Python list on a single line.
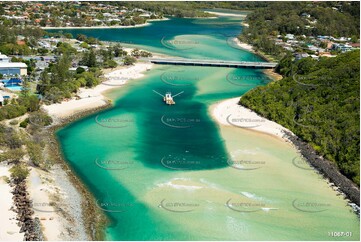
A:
[(337, 19), (319, 101)]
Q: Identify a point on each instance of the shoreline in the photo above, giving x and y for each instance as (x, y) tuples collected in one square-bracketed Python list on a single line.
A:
[(90, 98), (91, 101), (9, 229), (94, 100), (229, 113), (244, 46), (249, 47), (99, 27), (227, 14), (94, 220), (108, 27), (269, 72)]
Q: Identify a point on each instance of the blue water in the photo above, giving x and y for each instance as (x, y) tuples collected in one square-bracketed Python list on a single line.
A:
[(146, 158), (201, 37), (14, 87)]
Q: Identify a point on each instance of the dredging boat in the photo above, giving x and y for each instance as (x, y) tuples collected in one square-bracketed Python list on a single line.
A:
[(168, 98)]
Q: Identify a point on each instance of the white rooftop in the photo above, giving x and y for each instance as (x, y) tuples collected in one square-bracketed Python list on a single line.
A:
[(13, 65), (2, 56)]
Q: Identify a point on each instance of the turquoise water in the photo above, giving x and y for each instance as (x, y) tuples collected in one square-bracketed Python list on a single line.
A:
[(14, 88), (162, 172), (195, 36)]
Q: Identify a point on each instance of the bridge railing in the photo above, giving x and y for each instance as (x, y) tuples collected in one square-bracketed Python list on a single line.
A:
[(210, 62)]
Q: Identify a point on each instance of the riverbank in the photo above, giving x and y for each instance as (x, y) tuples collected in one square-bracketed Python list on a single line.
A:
[(227, 14), (108, 27), (57, 203), (82, 202), (99, 27), (9, 229), (230, 113), (90, 98), (243, 45), (270, 72), (62, 205)]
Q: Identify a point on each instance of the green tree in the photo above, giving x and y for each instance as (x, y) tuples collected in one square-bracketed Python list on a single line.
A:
[(19, 173), (129, 60), (81, 37), (110, 64), (91, 59), (319, 102), (68, 35)]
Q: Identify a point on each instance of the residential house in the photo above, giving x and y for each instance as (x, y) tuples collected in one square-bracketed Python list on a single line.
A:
[(299, 56), (290, 36), (12, 68)]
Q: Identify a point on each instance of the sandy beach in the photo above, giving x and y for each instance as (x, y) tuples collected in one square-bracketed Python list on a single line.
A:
[(157, 19), (270, 72), (9, 230), (94, 98), (230, 113), (227, 14), (242, 45), (100, 27), (109, 27), (57, 203), (245, 24)]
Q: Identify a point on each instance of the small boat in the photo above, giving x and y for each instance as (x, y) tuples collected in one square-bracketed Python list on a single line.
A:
[(168, 98)]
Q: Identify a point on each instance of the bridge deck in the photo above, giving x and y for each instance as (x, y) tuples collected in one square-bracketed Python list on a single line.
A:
[(218, 63)]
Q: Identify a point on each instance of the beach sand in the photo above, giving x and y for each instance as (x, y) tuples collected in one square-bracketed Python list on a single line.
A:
[(9, 230), (109, 27), (99, 27), (91, 98), (52, 191), (230, 113), (227, 14), (57, 203), (269, 72), (244, 46), (272, 74)]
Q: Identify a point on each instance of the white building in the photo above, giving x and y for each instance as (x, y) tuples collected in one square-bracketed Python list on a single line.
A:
[(290, 36), (13, 68), (4, 58)]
